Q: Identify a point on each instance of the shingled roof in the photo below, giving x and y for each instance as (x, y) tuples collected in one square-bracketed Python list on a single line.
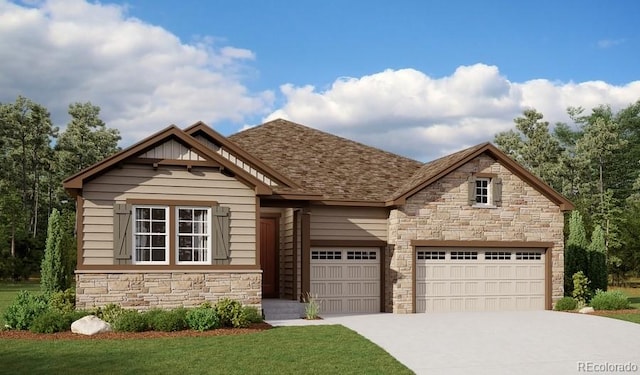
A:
[(322, 163)]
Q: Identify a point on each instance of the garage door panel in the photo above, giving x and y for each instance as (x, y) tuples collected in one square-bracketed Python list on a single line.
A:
[(350, 282), (480, 280)]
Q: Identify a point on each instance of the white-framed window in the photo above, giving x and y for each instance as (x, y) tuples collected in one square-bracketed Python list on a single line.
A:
[(150, 235), (193, 232), (483, 191)]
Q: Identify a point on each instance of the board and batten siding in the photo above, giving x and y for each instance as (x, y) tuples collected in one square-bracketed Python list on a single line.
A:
[(165, 183), (349, 223)]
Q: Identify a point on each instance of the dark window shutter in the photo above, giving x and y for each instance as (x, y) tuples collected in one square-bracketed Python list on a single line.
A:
[(122, 231), (221, 232), (496, 184), (472, 190)]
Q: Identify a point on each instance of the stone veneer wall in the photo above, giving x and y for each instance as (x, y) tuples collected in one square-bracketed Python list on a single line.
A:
[(441, 212), (146, 290)]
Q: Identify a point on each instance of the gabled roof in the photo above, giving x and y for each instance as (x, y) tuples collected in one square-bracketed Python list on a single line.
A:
[(337, 168), (76, 182), (435, 170), (200, 128)]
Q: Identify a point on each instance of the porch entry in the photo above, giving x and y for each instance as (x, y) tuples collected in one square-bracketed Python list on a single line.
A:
[(269, 256)]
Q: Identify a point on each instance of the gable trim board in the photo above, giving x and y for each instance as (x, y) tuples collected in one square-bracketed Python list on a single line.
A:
[(394, 218), (77, 181)]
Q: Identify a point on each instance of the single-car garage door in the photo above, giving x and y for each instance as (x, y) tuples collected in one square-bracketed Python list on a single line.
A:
[(346, 280), (466, 279)]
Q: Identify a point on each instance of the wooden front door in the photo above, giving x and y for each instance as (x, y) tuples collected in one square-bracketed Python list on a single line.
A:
[(269, 256)]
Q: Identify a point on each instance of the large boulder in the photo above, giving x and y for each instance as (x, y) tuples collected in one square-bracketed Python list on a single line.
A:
[(586, 310), (90, 325)]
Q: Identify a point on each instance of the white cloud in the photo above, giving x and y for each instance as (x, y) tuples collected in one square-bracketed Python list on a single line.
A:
[(61, 51), (608, 43), (410, 113)]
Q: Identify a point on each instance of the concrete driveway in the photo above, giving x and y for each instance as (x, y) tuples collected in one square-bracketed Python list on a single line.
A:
[(536, 342)]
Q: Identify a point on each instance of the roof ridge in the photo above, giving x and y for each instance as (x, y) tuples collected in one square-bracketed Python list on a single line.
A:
[(327, 134)]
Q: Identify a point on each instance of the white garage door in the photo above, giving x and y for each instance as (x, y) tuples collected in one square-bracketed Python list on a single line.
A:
[(464, 279), (346, 280)]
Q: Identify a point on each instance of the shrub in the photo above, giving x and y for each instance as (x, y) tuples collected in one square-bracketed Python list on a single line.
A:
[(566, 304), (312, 307), (612, 300), (63, 301), (53, 277), (581, 288), (130, 321), (252, 314), (109, 313), (51, 321), (597, 272), (229, 312), (24, 309), (575, 259), (203, 318), (167, 320)]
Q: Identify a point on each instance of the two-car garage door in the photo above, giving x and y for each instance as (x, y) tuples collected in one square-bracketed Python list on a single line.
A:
[(346, 280), (467, 279)]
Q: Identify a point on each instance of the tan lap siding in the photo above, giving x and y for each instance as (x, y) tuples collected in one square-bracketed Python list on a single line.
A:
[(348, 223), (165, 183)]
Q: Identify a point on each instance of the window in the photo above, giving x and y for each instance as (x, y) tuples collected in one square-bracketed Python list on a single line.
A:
[(430, 255), (497, 255), (361, 255), (529, 255), (151, 236), (191, 227), (194, 234), (482, 191), (464, 255), (326, 255), (485, 191)]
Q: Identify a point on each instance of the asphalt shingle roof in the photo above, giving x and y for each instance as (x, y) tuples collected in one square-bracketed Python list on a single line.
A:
[(337, 168)]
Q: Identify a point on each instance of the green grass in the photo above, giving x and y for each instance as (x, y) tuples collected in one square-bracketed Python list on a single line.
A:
[(330, 349), (634, 299), (9, 291), (284, 350)]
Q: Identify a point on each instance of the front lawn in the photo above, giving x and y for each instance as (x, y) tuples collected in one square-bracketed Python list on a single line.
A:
[(330, 349), (634, 299)]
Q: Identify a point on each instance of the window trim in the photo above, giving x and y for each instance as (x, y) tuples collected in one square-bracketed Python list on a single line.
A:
[(209, 249), (172, 238), (134, 234)]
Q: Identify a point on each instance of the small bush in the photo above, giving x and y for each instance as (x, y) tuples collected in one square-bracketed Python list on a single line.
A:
[(130, 321), (109, 313), (51, 321), (312, 307), (24, 309), (203, 318), (167, 320), (612, 300), (581, 291), (252, 314), (566, 304), (63, 301), (229, 311)]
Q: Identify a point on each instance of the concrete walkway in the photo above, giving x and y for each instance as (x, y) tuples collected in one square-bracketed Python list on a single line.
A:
[(536, 342)]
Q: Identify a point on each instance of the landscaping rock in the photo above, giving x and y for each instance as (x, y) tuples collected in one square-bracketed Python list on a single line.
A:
[(586, 310), (90, 325)]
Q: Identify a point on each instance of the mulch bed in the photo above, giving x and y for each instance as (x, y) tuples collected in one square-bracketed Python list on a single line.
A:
[(615, 312), (26, 335)]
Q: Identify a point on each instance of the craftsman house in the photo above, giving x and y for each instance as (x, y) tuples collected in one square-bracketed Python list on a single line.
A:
[(281, 209)]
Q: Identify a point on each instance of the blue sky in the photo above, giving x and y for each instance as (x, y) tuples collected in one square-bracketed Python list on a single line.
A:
[(419, 78)]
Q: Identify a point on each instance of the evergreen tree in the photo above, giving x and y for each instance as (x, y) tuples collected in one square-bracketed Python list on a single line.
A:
[(52, 273)]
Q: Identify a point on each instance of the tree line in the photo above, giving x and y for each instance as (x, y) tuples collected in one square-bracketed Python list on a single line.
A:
[(35, 157), (595, 162)]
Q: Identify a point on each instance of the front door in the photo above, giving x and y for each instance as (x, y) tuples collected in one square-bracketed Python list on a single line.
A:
[(269, 256)]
